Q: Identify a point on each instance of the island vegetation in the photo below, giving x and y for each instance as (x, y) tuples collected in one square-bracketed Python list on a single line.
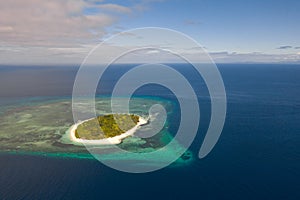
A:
[(106, 126)]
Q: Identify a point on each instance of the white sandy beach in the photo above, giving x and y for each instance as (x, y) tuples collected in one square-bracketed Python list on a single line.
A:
[(106, 141)]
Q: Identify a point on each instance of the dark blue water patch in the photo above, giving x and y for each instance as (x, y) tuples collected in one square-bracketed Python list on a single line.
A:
[(225, 177), (262, 83), (24, 81), (113, 73)]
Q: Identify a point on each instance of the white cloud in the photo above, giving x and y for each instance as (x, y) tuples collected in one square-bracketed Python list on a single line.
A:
[(49, 23), (6, 29), (34, 29), (115, 8), (255, 57)]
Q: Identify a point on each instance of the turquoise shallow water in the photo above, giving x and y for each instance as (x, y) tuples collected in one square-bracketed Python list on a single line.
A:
[(38, 126)]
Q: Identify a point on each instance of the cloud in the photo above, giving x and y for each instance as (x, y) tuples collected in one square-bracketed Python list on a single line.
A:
[(143, 5), (6, 29), (115, 8), (285, 47), (58, 23), (296, 47), (43, 31), (254, 57)]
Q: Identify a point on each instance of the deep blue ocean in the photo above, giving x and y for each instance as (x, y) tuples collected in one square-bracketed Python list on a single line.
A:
[(256, 157)]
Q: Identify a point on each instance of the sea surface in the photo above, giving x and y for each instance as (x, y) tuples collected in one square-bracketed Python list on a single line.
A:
[(256, 157)]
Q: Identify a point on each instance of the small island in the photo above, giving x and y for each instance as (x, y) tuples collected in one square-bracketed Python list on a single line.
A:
[(106, 129)]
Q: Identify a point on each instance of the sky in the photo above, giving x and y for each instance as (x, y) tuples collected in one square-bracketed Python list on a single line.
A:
[(231, 31)]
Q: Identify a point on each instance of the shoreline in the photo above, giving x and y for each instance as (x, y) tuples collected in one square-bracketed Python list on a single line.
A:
[(105, 141)]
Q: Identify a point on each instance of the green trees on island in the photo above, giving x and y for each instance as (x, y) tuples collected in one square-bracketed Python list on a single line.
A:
[(106, 126)]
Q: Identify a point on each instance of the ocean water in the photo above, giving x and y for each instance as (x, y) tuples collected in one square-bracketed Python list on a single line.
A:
[(256, 157)]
